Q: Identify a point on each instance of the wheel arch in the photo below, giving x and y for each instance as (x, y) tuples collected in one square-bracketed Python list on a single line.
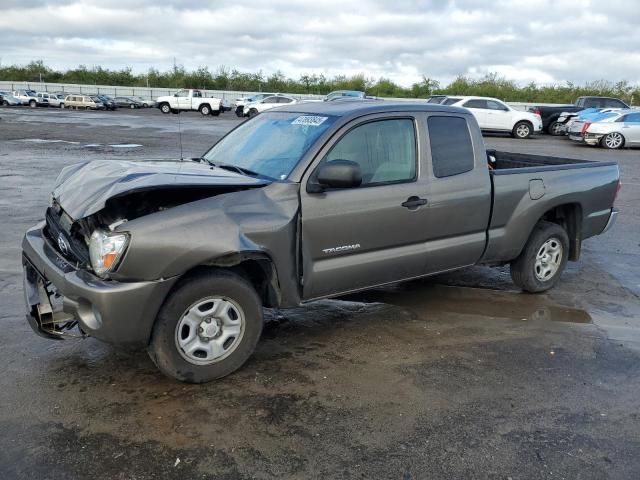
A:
[(569, 217), (254, 266)]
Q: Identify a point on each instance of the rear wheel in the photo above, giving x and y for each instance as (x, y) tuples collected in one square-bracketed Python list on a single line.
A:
[(207, 328), (555, 129), (522, 130), (205, 110), (613, 140), (165, 108), (543, 259), (5, 103)]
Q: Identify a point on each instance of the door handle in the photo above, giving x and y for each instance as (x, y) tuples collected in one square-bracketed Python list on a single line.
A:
[(414, 202)]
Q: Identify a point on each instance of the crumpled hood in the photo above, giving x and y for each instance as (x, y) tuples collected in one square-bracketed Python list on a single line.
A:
[(83, 189)]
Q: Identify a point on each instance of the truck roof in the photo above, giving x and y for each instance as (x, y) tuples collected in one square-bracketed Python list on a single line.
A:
[(343, 108)]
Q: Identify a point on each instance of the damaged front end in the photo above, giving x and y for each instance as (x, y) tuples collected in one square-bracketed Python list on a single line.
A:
[(69, 258)]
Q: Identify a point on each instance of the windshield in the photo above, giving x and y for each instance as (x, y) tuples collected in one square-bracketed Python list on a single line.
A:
[(271, 144)]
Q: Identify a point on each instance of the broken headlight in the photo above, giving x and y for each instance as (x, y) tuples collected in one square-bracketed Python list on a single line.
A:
[(106, 249)]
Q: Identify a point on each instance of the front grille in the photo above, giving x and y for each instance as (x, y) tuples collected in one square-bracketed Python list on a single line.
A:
[(59, 231)]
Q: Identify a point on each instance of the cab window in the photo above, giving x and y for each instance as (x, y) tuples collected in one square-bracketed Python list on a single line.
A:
[(384, 149)]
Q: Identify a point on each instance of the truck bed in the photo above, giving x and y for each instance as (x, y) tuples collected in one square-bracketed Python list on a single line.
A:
[(527, 187), (509, 163)]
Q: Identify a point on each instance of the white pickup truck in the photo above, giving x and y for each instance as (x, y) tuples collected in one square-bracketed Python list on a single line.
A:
[(190, 100)]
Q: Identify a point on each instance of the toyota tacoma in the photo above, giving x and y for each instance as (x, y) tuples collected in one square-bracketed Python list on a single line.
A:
[(303, 202)]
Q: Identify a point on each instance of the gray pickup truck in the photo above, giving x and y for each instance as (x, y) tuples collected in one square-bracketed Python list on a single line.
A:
[(300, 203)]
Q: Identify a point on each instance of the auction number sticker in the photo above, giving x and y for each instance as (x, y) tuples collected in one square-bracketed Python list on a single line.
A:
[(313, 120)]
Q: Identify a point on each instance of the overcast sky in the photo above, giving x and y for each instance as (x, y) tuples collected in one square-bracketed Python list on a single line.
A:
[(545, 41)]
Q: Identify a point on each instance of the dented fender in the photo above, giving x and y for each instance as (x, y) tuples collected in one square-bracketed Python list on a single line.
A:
[(261, 221)]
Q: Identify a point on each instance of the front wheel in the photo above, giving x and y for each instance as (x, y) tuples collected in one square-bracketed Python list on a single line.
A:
[(543, 259), (613, 141), (33, 103), (207, 328), (253, 112), (165, 108), (522, 130)]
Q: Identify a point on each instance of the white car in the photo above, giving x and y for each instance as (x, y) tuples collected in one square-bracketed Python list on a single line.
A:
[(28, 97), (494, 115), (55, 100), (190, 100), (239, 103), (254, 108)]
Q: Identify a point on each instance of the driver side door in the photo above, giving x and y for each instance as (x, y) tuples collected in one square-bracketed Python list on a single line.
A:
[(358, 237)]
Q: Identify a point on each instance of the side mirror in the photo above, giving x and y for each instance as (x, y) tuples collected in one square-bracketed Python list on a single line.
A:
[(336, 174)]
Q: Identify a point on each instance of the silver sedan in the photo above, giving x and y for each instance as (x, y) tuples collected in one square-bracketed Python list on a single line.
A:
[(619, 130)]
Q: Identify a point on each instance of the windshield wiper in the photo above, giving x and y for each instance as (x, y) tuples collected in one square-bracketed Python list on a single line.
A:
[(241, 170)]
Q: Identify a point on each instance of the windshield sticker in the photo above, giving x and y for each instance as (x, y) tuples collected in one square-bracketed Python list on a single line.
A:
[(312, 120)]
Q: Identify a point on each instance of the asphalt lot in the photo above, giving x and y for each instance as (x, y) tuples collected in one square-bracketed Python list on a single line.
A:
[(457, 376)]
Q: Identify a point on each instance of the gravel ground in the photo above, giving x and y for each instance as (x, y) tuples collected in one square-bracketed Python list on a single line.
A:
[(456, 376)]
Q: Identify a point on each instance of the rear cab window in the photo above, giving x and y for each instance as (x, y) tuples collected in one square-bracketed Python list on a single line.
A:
[(451, 146)]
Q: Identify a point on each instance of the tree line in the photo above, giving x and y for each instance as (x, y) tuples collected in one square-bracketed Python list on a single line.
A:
[(491, 85)]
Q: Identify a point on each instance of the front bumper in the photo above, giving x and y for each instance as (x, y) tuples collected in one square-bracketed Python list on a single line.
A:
[(593, 138), (57, 295)]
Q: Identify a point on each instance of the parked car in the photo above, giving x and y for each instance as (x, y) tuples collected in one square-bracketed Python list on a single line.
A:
[(239, 103), (254, 108), (146, 103), (127, 102), (339, 94), (108, 102), (190, 100), (8, 100), (550, 114), (496, 116), (566, 119), (82, 102), (611, 130), (437, 99), (29, 97), (303, 202), (53, 99)]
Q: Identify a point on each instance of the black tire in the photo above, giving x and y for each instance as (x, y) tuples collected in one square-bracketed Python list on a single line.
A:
[(165, 108), (240, 112), (205, 110), (5, 103), (524, 271), (519, 130), (62, 105), (253, 112), (552, 129), (216, 113), (163, 348), (33, 103), (613, 141)]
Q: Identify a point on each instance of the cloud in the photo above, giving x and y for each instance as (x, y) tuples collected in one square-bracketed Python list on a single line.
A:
[(534, 40)]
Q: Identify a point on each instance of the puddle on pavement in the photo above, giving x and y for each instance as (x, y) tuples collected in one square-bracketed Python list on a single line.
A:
[(44, 140), (428, 299)]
